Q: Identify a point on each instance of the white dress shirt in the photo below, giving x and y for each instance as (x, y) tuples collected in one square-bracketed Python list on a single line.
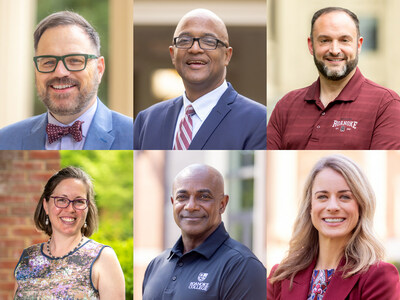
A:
[(202, 107), (67, 142)]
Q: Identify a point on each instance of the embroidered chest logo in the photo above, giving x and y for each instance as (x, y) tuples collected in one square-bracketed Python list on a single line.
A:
[(200, 285), (344, 125)]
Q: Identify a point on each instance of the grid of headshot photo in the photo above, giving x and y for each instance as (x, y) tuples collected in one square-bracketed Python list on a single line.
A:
[(200, 149)]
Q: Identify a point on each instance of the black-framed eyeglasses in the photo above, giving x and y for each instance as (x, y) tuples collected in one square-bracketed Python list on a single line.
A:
[(63, 202), (205, 43), (72, 62)]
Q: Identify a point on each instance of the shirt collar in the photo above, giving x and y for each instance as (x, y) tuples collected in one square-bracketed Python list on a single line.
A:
[(349, 92), (86, 117), (207, 248), (203, 105)]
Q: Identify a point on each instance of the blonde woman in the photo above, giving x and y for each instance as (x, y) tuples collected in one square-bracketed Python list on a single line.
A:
[(333, 252)]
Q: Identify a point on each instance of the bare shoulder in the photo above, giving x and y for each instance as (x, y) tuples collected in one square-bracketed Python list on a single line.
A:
[(108, 277)]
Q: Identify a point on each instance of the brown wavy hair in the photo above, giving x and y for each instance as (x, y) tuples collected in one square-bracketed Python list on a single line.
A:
[(66, 173)]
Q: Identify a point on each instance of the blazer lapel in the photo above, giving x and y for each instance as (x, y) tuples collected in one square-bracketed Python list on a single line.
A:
[(37, 139), (216, 116), (301, 284), (339, 288), (98, 136), (168, 123)]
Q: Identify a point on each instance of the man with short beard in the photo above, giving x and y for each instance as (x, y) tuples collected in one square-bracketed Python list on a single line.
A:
[(68, 71), (342, 109)]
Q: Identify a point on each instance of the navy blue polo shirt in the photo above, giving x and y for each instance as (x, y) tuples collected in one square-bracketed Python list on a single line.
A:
[(220, 268)]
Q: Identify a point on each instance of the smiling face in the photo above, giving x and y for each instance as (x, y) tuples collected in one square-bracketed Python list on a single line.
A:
[(334, 209), (335, 45), (63, 92), (67, 221), (201, 70), (198, 201)]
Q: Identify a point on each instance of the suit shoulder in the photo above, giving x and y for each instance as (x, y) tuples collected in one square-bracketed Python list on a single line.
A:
[(382, 269), (245, 106), (243, 100), (158, 107), (21, 127), (122, 119)]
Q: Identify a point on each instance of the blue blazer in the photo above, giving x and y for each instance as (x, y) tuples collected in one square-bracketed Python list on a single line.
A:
[(109, 130), (235, 123)]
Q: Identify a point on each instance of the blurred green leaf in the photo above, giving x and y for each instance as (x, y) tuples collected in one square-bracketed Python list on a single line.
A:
[(112, 174)]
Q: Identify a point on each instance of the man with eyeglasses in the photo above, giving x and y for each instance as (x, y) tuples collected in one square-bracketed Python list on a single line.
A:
[(68, 71), (210, 114)]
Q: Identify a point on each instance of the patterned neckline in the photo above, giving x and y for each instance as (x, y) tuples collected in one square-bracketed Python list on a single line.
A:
[(62, 257)]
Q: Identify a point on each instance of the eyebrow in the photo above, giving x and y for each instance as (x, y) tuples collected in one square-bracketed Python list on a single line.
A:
[(198, 191), (341, 191), (323, 36), (190, 34)]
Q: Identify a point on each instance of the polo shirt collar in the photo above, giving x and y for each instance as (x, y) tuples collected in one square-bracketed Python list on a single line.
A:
[(208, 247), (349, 92)]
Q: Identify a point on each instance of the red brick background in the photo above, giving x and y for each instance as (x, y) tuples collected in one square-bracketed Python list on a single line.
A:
[(23, 175)]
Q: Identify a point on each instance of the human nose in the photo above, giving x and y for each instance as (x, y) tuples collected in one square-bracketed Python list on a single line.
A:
[(70, 207), (333, 204), (334, 49), (196, 46), (61, 71), (191, 204)]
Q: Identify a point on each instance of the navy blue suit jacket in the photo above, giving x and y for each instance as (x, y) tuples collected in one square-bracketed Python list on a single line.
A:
[(235, 123), (109, 130)]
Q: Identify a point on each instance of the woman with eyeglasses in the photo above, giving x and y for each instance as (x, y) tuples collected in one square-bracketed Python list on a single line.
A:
[(69, 265), (334, 253)]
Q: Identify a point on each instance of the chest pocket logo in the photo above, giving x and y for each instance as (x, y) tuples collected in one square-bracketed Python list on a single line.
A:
[(343, 125), (199, 284), (202, 276)]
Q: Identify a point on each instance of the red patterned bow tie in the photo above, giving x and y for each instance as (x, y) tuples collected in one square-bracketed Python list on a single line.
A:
[(55, 132)]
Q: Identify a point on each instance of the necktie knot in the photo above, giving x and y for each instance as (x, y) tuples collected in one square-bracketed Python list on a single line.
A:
[(55, 132), (189, 110)]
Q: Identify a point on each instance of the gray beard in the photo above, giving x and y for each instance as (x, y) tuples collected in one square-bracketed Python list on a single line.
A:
[(81, 102), (336, 75)]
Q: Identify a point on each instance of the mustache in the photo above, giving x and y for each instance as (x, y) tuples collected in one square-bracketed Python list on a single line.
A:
[(340, 55), (63, 81), (191, 215)]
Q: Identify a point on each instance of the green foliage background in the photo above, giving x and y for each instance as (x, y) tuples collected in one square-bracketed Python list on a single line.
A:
[(112, 173), (96, 13)]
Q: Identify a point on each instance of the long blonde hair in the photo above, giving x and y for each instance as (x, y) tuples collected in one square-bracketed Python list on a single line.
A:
[(362, 250)]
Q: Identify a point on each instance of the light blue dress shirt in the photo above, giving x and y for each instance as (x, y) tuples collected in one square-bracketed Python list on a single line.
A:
[(67, 142)]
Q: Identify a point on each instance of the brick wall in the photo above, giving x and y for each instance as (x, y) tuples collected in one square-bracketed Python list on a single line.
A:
[(23, 175)]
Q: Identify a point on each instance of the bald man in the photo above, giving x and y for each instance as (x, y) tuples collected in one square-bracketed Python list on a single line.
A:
[(205, 263), (210, 114)]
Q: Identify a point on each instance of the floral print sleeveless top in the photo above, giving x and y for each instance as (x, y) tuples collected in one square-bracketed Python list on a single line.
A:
[(69, 277)]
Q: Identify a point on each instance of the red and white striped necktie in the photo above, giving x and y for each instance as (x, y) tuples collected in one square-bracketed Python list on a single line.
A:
[(184, 135)]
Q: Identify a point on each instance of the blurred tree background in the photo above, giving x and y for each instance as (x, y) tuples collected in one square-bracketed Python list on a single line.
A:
[(96, 13), (112, 173)]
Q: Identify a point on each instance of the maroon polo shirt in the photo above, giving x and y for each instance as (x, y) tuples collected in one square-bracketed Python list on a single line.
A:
[(364, 115)]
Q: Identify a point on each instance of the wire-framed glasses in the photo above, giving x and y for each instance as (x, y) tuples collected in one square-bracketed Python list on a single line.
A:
[(63, 202), (205, 43), (72, 62)]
